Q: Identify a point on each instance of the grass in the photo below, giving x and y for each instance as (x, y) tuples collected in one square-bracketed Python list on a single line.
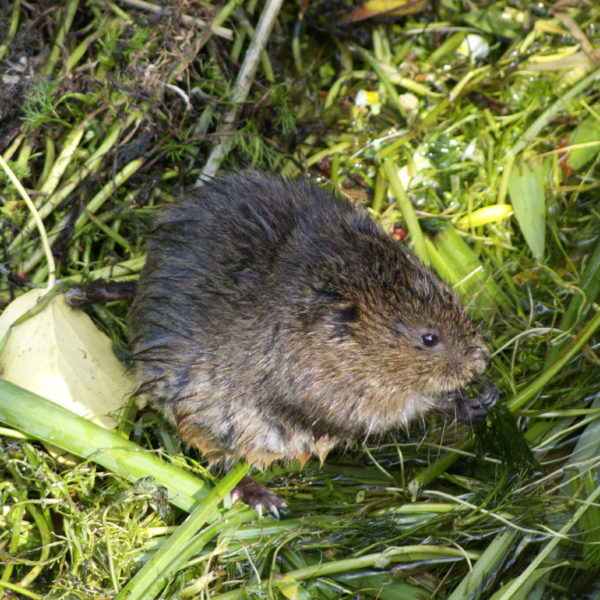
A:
[(486, 160)]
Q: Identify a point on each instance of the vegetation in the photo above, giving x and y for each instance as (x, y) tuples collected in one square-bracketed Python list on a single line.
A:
[(471, 131)]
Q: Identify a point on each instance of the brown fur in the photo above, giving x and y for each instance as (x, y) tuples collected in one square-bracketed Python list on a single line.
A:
[(274, 321)]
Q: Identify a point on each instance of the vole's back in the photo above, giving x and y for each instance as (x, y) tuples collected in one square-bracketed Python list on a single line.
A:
[(273, 320)]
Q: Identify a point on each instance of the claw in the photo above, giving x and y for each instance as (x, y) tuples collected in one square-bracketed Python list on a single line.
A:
[(258, 497)]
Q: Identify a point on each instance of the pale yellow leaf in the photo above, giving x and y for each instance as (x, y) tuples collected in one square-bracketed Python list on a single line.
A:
[(288, 586), (485, 215), (386, 8), (60, 354)]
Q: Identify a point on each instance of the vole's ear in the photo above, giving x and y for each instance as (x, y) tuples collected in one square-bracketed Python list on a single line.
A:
[(340, 319), (333, 311), (339, 316)]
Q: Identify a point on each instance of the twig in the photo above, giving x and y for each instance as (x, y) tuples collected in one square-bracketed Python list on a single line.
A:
[(242, 87), (157, 10)]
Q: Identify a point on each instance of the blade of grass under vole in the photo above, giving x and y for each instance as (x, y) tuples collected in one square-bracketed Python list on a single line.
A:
[(531, 573), (386, 588), (487, 563), (46, 421), (378, 560)]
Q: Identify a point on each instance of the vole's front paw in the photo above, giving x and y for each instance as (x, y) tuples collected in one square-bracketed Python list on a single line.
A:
[(470, 409)]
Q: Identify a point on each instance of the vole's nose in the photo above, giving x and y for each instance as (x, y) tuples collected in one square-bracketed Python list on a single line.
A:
[(479, 353)]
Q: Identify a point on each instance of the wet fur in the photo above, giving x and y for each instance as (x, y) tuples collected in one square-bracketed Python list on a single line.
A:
[(273, 321)]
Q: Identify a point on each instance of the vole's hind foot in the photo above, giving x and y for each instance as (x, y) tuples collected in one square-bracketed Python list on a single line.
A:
[(257, 496), (100, 291), (470, 410)]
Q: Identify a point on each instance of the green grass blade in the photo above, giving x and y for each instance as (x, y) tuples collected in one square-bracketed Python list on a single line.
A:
[(408, 212), (527, 186), (580, 303), (44, 420), (488, 563), (454, 260), (378, 560), (547, 374), (529, 574), (166, 562)]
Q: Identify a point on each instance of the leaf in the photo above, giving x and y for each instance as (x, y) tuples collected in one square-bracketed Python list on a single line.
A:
[(59, 353), (527, 189), (485, 215), (584, 296), (456, 263), (288, 586), (587, 132), (495, 20), (385, 8)]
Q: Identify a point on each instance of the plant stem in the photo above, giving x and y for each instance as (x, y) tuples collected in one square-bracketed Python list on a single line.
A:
[(377, 560), (12, 28), (37, 220), (59, 42), (408, 212), (44, 420), (241, 88)]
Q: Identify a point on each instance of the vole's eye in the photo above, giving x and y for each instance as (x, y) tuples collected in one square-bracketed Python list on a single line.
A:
[(430, 339)]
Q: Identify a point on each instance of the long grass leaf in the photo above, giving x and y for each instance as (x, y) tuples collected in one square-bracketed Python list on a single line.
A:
[(44, 420), (527, 185), (408, 212)]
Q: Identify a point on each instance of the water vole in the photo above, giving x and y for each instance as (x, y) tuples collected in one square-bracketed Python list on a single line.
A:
[(274, 321)]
